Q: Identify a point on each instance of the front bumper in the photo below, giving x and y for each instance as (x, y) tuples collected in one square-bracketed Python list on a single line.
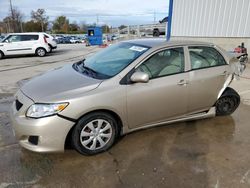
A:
[(51, 132)]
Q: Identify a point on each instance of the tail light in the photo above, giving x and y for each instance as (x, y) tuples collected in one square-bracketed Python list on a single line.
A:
[(45, 40)]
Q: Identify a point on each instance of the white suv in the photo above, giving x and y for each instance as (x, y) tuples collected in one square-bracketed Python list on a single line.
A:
[(24, 43)]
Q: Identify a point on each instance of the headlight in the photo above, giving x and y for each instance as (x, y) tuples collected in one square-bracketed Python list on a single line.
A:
[(43, 110)]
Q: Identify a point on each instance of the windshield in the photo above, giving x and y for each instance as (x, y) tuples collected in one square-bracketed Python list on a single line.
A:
[(112, 60)]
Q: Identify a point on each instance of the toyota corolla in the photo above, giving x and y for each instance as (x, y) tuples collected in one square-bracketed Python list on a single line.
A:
[(126, 87)]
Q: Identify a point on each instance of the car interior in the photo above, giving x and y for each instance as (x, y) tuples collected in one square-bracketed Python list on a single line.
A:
[(164, 63)]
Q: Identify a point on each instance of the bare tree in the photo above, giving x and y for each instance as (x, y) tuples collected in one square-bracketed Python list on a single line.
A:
[(40, 17), (14, 20)]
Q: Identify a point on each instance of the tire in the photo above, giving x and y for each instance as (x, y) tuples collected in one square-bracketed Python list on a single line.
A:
[(1, 55), (94, 133), (41, 52), (227, 103), (156, 33)]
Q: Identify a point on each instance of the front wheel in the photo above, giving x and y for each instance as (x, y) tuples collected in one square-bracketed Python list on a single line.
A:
[(41, 52), (94, 133), (227, 103), (1, 55)]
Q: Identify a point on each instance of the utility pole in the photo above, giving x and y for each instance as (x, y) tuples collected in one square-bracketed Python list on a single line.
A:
[(154, 17), (97, 19), (21, 24), (12, 15), (8, 24)]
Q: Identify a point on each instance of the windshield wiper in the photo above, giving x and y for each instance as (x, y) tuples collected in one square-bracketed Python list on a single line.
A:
[(84, 69), (80, 66), (89, 70)]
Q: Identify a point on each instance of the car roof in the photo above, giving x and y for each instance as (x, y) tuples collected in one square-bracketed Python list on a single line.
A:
[(28, 33), (162, 42)]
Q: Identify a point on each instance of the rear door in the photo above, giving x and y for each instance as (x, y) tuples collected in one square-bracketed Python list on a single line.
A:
[(208, 73), (28, 42), (164, 97)]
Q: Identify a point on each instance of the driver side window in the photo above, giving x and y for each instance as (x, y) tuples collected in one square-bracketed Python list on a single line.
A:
[(14, 38), (164, 63)]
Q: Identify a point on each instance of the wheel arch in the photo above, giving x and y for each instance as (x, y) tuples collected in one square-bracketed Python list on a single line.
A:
[(156, 29), (110, 112), (42, 48), (2, 53), (225, 86)]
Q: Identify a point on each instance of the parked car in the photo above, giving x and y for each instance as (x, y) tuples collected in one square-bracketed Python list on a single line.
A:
[(51, 41), (24, 43), (159, 28), (1, 37), (126, 87), (65, 40), (59, 40), (75, 40)]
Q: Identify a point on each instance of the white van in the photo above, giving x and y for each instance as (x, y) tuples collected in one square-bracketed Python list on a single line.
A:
[(24, 43)]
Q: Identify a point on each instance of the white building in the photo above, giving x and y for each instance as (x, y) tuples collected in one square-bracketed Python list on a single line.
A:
[(224, 22)]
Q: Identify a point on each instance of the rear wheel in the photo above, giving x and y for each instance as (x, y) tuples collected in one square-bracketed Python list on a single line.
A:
[(94, 133), (227, 103), (156, 33), (41, 52)]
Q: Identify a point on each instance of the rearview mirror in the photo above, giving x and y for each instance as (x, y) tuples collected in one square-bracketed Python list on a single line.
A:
[(139, 77)]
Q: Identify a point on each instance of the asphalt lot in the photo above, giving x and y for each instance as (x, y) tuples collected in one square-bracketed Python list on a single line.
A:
[(205, 153)]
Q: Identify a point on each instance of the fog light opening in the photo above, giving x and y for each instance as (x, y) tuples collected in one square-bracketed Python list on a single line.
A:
[(33, 140)]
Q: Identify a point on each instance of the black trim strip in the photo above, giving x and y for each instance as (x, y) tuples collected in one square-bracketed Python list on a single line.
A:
[(67, 118), (20, 49)]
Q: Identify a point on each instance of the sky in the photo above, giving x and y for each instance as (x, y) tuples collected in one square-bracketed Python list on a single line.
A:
[(111, 12)]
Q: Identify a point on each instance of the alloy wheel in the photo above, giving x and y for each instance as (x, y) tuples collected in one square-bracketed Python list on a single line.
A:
[(96, 134)]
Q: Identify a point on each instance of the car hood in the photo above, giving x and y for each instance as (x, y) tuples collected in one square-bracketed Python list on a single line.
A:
[(59, 84)]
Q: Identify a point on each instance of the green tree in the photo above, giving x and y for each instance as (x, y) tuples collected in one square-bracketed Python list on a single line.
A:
[(32, 26), (122, 27), (40, 17), (74, 27), (61, 24), (105, 29)]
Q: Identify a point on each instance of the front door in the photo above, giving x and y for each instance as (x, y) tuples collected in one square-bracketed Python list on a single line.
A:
[(13, 45), (164, 97)]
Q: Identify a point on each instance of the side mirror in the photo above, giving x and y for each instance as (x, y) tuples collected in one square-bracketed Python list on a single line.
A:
[(7, 41), (139, 77)]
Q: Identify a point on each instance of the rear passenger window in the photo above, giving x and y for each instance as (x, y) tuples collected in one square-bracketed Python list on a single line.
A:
[(29, 37), (204, 57)]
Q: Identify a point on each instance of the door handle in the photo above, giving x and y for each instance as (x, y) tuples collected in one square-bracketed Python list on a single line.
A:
[(182, 82)]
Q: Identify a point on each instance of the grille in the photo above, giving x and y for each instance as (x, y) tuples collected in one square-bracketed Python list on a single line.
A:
[(18, 105)]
